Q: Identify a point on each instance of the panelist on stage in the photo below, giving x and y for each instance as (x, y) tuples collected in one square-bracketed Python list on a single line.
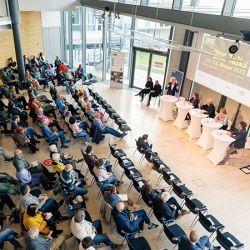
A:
[(172, 87)]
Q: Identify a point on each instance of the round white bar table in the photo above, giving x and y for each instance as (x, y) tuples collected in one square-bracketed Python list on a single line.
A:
[(183, 109), (194, 128), (206, 139), (166, 108), (221, 143)]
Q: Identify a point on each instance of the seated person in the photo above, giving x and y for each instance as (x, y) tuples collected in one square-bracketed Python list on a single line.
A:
[(31, 80), (58, 61), (45, 105), (80, 72), (222, 118), (59, 165), (76, 95), (143, 143), (82, 228), (166, 207), (209, 108), (105, 178), (22, 139), (131, 222), (43, 221), (6, 178), (35, 62), (4, 122), (41, 79), (149, 194), (19, 163), (18, 99), (67, 114), (14, 110), (173, 87), (91, 158), (78, 129), (195, 243), (240, 137), (51, 123), (61, 103), (9, 235), (62, 80), (51, 74), (25, 177), (111, 196), (53, 136), (148, 87), (65, 158), (105, 129), (3, 153), (156, 91), (36, 241), (44, 204), (70, 181), (89, 108), (68, 75), (195, 100)]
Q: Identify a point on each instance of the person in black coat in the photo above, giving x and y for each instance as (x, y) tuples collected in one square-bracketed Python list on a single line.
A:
[(167, 208), (209, 108), (195, 100), (172, 87), (156, 91), (240, 137), (148, 87)]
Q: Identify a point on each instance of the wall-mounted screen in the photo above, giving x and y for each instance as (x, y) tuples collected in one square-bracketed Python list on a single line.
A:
[(223, 72)]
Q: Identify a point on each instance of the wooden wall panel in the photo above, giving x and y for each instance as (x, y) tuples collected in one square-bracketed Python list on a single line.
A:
[(31, 37)]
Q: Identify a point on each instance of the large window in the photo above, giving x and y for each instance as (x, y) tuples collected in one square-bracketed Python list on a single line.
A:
[(242, 9), (167, 4), (66, 36), (77, 37), (203, 6)]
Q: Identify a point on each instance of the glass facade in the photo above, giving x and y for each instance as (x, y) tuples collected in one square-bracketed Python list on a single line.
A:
[(242, 9)]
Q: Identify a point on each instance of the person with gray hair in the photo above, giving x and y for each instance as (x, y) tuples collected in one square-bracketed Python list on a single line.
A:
[(173, 87), (35, 241), (82, 228), (53, 136), (166, 207)]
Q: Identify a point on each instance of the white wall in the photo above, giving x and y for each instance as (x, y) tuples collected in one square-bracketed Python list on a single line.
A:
[(51, 19), (49, 5)]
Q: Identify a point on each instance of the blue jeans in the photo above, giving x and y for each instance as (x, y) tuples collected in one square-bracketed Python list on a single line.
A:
[(30, 133), (84, 125), (112, 180), (82, 134), (142, 217), (111, 131), (52, 206), (173, 201), (99, 237), (204, 242), (60, 135), (80, 190), (8, 235)]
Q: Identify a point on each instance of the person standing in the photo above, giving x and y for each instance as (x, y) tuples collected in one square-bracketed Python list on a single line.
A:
[(172, 87)]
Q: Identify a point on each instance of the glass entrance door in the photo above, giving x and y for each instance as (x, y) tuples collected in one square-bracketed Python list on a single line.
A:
[(148, 63), (141, 68)]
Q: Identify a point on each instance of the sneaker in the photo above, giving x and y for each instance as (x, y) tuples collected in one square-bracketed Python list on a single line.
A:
[(216, 248), (141, 100), (152, 226), (80, 160), (64, 146), (119, 183), (9, 159), (67, 141), (148, 104), (184, 212), (61, 202), (40, 136), (124, 134)]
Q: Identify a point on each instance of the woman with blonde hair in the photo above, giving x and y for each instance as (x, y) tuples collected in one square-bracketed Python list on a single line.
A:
[(222, 118)]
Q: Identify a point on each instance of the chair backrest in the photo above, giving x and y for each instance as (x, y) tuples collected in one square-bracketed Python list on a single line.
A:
[(112, 149), (225, 242), (178, 191), (139, 148), (206, 223)]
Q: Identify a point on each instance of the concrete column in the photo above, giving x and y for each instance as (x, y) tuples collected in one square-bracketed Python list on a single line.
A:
[(15, 21), (84, 30)]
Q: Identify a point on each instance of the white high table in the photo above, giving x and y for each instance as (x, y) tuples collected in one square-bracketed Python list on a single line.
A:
[(206, 139), (221, 143), (194, 128), (183, 109), (166, 108)]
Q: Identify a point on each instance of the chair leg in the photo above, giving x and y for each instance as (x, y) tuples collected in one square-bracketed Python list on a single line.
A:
[(130, 186), (194, 222), (161, 232), (134, 153), (139, 199), (159, 179), (122, 175), (150, 213)]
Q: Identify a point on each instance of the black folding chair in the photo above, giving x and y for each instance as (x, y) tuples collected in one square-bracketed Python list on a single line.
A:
[(139, 243), (195, 206), (181, 191), (228, 241), (140, 150)]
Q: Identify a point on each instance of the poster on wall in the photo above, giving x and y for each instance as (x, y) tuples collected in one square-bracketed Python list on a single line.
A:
[(117, 70), (179, 77)]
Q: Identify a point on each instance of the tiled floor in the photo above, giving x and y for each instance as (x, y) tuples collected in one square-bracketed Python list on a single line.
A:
[(223, 189)]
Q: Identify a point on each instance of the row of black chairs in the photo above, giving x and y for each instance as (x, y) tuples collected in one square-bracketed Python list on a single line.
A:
[(112, 114), (171, 229), (208, 221)]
